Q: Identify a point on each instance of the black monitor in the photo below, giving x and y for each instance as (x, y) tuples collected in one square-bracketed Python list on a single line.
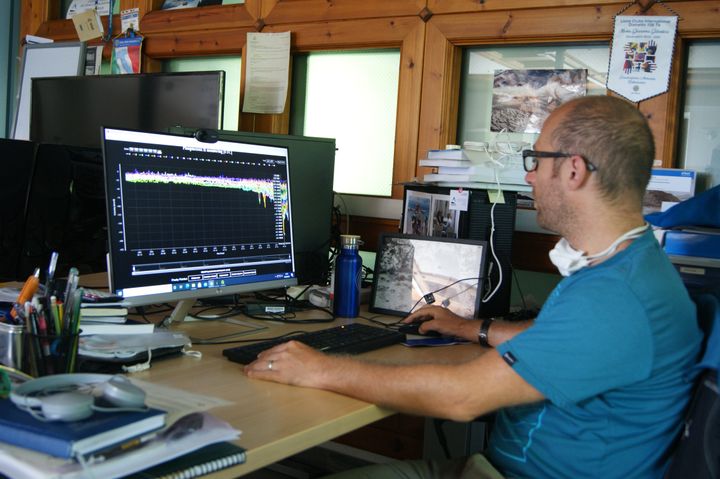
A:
[(71, 110), (189, 220), (17, 160), (65, 211), (312, 166)]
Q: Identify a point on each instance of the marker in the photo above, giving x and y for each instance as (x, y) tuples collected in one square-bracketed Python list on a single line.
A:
[(28, 290)]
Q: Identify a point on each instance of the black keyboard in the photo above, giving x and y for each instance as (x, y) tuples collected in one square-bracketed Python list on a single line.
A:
[(349, 339)]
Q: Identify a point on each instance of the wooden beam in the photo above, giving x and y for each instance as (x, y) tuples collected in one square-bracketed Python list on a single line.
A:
[(277, 12), (407, 124)]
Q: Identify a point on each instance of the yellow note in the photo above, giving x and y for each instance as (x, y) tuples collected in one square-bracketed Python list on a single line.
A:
[(88, 25), (496, 196)]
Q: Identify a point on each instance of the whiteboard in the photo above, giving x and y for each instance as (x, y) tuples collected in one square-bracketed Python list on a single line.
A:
[(44, 60)]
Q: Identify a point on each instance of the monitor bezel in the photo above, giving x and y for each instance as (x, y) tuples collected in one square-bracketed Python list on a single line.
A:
[(194, 294)]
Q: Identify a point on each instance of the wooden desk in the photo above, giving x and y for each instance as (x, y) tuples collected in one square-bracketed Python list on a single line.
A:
[(278, 421)]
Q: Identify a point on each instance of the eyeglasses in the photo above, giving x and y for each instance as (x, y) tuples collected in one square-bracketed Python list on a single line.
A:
[(530, 159)]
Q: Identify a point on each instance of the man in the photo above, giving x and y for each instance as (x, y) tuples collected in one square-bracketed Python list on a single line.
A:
[(595, 386)]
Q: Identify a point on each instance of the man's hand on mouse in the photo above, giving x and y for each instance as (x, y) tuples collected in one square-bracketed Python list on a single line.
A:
[(444, 321)]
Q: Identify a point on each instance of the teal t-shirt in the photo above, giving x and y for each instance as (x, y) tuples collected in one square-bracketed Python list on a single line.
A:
[(610, 352)]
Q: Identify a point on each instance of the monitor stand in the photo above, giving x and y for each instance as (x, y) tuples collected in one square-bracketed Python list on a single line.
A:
[(181, 310)]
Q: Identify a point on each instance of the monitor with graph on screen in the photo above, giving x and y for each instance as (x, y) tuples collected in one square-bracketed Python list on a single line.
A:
[(188, 219)]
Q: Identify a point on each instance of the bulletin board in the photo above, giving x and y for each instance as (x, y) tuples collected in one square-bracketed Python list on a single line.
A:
[(44, 60)]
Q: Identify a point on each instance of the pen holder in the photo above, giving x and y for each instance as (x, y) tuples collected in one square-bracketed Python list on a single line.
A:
[(11, 345), (50, 353)]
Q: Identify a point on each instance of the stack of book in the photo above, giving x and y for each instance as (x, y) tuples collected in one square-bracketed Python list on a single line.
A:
[(113, 445), (109, 318), (473, 166)]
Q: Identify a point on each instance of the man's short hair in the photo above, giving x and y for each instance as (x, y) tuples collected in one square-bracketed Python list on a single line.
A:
[(613, 135)]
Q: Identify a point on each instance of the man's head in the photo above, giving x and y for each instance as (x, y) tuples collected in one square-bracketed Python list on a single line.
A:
[(610, 143), (615, 137)]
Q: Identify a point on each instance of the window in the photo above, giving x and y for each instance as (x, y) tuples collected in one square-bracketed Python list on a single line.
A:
[(699, 147), (481, 63), (231, 66), (352, 97)]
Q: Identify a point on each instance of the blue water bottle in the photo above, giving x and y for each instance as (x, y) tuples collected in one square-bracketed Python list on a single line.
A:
[(348, 277)]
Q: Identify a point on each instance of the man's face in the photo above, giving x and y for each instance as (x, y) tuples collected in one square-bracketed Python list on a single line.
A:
[(550, 201)]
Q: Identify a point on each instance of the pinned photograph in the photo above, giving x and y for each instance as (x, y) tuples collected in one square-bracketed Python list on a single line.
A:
[(417, 213), (522, 99)]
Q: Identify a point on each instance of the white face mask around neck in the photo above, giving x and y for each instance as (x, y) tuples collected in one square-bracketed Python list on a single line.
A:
[(568, 260)]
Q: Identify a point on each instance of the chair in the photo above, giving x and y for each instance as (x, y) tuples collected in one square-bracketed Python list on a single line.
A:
[(697, 453)]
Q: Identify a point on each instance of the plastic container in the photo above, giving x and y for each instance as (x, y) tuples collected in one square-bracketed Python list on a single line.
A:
[(348, 278)]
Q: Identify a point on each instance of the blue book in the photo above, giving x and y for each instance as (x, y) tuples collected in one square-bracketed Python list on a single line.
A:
[(100, 431)]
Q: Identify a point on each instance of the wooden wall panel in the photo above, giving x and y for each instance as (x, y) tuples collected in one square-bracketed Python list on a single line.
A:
[(206, 19), (195, 43), (528, 26), (387, 32), (278, 12), (467, 6)]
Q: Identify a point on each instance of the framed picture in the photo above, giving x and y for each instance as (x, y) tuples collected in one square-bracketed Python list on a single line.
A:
[(522, 99), (44, 60), (411, 271)]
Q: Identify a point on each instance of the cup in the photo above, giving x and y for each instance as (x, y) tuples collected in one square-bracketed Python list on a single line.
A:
[(11, 345), (50, 353)]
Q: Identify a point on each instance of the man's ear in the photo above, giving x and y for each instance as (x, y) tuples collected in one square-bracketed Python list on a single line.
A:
[(577, 173)]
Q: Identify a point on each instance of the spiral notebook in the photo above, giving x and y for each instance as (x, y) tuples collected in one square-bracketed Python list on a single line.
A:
[(208, 459)]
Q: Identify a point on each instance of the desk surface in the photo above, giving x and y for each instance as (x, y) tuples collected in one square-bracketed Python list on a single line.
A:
[(278, 421)]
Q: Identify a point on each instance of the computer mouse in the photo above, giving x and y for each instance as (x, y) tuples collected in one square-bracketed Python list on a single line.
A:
[(413, 328)]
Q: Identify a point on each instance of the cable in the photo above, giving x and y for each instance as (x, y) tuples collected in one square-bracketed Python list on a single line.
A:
[(347, 213), (288, 335), (517, 283), (492, 245), (442, 289)]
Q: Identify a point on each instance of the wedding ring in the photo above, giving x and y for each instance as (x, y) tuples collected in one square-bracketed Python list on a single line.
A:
[(270, 364)]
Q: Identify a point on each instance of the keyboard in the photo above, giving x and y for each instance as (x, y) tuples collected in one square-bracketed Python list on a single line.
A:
[(349, 339)]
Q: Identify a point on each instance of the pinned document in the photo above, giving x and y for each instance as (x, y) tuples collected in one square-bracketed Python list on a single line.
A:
[(267, 72)]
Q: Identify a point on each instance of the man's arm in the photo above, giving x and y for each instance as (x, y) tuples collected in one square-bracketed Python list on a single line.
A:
[(436, 318), (460, 392)]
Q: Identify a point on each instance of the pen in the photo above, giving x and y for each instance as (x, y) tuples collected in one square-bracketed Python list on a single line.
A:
[(72, 283), (28, 290), (50, 280)]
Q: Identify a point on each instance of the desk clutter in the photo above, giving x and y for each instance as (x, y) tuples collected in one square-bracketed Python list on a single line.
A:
[(131, 430)]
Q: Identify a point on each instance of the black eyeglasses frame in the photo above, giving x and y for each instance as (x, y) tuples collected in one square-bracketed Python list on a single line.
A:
[(535, 155)]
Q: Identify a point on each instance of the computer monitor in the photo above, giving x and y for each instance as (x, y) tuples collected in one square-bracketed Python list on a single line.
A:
[(312, 167), (17, 159), (188, 219), (66, 211), (412, 270), (71, 110)]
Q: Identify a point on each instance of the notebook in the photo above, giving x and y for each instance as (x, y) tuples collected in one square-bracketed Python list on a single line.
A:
[(70, 439), (205, 460)]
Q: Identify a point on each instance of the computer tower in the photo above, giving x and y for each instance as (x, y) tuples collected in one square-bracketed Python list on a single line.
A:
[(477, 223)]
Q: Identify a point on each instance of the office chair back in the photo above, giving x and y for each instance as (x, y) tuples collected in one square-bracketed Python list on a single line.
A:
[(697, 453)]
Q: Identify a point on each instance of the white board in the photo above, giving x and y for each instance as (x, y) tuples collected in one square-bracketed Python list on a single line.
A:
[(39, 61)]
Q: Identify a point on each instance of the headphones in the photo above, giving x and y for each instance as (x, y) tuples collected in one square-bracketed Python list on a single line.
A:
[(73, 397)]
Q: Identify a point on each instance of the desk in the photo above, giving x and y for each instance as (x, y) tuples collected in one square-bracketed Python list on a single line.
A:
[(278, 421)]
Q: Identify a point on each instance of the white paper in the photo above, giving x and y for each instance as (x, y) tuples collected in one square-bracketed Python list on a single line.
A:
[(130, 20), (77, 6), (268, 67), (641, 56)]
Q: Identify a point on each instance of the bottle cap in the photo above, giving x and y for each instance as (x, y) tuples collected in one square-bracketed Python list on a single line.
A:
[(352, 241)]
